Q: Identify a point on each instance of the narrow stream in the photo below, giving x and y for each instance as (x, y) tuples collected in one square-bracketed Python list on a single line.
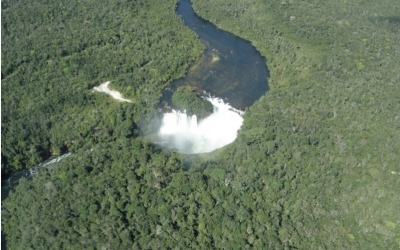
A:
[(231, 69), (13, 181)]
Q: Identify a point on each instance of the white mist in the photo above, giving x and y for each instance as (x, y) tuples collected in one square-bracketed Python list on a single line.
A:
[(189, 137)]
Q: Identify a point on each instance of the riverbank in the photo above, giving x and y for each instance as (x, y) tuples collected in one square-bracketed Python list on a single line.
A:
[(104, 88)]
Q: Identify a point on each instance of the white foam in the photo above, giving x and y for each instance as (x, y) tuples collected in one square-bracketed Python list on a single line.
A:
[(182, 132)]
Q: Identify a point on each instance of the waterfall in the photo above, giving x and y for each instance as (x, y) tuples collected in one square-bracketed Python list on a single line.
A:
[(183, 132)]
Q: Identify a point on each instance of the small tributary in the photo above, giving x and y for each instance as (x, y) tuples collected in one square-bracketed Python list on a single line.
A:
[(232, 73), (9, 184)]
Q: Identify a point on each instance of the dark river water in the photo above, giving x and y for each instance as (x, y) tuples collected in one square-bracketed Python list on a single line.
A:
[(231, 68)]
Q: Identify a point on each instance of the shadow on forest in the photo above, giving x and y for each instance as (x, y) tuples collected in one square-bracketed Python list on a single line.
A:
[(389, 19), (394, 19)]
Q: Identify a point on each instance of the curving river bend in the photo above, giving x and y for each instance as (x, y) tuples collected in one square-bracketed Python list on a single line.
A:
[(231, 68)]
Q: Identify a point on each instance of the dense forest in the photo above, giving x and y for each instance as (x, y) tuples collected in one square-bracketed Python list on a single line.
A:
[(55, 53), (315, 164), (186, 98)]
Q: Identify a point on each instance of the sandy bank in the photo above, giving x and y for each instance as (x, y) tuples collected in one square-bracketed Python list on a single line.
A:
[(113, 93)]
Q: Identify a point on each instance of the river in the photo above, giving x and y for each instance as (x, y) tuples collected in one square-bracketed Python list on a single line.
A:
[(231, 68), (232, 71)]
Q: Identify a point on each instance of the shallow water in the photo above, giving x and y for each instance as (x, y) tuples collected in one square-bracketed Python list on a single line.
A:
[(231, 68)]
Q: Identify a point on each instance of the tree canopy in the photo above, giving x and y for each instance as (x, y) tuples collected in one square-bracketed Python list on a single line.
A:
[(315, 164), (186, 99)]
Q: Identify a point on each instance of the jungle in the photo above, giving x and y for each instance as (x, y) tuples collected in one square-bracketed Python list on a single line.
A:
[(315, 164)]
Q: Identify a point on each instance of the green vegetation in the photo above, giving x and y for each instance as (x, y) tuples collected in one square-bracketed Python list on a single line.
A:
[(324, 139), (53, 54), (115, 197), (315, 164), (184, 98)]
